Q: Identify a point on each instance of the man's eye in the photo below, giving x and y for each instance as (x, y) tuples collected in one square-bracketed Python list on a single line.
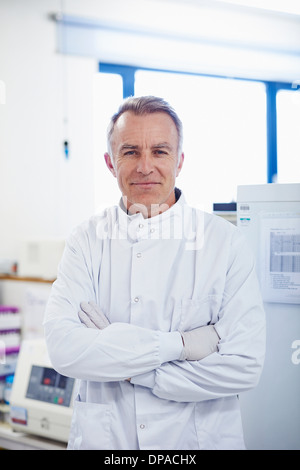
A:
[(129, 153), (160, 152)]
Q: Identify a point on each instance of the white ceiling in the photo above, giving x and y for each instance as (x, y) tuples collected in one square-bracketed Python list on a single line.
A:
[(281, 6), (291, 7)]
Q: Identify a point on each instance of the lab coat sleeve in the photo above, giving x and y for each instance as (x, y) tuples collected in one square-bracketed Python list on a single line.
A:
[(237, 365), (115, 353)]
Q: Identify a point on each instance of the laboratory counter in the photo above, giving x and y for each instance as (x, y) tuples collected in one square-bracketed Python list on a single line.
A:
[(14, 440)]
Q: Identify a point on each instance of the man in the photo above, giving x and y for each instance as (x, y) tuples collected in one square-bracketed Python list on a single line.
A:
[(156, 309)]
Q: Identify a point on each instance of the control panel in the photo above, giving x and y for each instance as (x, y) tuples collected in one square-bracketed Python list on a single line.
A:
[(47, 385)]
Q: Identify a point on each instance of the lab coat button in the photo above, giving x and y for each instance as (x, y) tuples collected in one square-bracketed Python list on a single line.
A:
[(152, 230), (138, 255), (142, 426), (141, 225), (136, 299)]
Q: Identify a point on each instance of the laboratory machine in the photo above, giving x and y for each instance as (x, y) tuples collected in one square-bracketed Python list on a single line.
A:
[(41, 398), (269, 216)]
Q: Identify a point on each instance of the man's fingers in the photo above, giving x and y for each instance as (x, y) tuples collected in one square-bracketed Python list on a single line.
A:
[(95, 315), (84, 318)]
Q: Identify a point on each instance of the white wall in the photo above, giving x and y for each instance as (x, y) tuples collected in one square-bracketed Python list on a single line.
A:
[(42, 194)]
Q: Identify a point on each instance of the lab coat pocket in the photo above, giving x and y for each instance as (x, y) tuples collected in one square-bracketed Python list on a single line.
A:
[(90, 427), (199, 312), (218, 424)]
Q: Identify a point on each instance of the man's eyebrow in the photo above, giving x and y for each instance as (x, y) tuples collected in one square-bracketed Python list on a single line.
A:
[(162, 145), (129, 147)]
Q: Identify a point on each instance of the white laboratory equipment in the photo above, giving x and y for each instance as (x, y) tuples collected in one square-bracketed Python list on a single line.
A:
[(269, 216), (41, 399)]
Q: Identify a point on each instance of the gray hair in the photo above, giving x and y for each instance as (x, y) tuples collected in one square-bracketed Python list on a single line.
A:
[(146, 105)]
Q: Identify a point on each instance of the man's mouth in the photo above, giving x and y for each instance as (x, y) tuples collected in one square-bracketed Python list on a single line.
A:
[(145, 184)]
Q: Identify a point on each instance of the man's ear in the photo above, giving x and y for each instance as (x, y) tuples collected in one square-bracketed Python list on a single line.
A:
[(180, 163), (109, 164)]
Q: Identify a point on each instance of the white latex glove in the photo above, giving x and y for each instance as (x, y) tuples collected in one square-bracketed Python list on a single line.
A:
[(92, 317), (199, 343)]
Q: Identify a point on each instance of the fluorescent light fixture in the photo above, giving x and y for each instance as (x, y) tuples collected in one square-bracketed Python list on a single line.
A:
[(281, 6)]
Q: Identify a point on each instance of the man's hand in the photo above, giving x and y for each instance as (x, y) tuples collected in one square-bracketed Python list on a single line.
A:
[(92, 317), (199, 343)]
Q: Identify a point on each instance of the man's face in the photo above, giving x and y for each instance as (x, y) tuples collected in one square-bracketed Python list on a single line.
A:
[(145, 160)]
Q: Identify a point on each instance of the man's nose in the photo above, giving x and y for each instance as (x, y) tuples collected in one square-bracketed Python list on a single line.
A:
[(145, 163)]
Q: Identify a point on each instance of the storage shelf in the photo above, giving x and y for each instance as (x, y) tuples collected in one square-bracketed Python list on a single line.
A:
[(8, 277)]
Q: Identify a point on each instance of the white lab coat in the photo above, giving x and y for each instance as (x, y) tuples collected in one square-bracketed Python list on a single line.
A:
[(152, 278)]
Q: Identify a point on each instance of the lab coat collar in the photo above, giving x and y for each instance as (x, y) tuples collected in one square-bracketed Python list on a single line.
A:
[(173, 210), (136, 227)]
